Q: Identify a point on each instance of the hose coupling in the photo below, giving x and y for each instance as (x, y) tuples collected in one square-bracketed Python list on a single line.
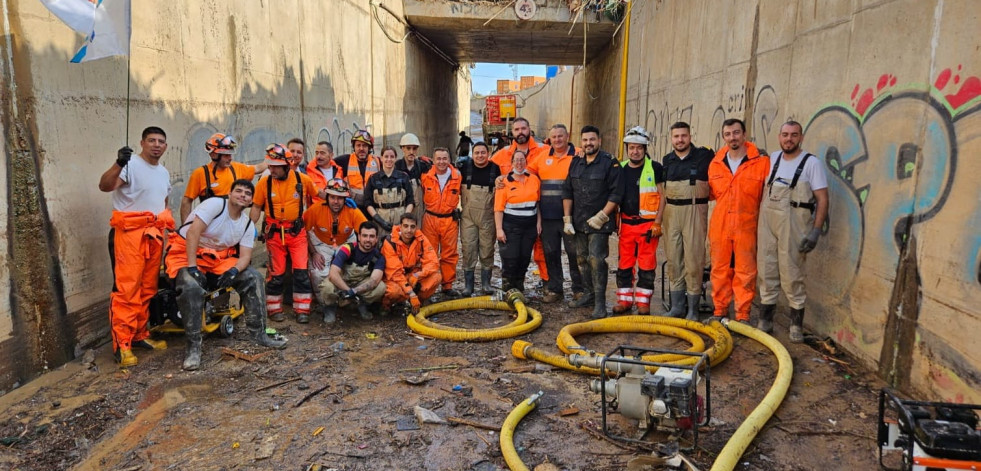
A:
[(513, 296)]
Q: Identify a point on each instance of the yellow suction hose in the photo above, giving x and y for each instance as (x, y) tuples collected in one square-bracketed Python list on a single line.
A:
[(507, 431), (515, 302), (729, 457), (679, 328)]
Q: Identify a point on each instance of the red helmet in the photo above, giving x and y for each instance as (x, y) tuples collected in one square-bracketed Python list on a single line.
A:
[(362, 135), (220, 144), (277, 154)]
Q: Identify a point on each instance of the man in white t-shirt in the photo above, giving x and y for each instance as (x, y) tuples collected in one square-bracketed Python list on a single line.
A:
[(139, 217), (794, 209), (221, 235)]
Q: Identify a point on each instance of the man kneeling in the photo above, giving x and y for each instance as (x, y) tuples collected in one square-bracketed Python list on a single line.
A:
[(355, 276), (212, 232), (411, 265)]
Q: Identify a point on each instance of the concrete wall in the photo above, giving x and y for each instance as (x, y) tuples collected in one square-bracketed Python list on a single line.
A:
[(890, 97), (264, 73)]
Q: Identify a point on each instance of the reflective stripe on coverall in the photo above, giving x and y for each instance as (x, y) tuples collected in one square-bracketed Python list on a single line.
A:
[(137, 246), (733, 228), (782, 227), (503, 160), (635, 247), (438, 224), (353, 176), (408, 267)]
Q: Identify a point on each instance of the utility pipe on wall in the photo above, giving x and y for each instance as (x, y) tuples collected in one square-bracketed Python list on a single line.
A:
[(623, 78)]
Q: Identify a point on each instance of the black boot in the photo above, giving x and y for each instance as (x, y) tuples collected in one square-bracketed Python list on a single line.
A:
[(693, 301), (485, 281), (364, 312), (190, 301), (468, 282), (796, 325), (192, 330), (252, 293), (600, 278), (766, 318), (330, 314), (677, 304)]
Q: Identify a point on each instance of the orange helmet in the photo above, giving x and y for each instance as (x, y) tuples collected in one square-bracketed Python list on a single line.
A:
[(220, 144), (362, 135), (277, 154)]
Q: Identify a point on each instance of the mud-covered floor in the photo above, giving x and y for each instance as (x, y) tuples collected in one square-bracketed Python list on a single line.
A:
[(345, 397)]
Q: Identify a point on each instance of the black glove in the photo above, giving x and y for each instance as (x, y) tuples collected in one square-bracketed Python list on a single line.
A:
[(348, 295), (123, 155), (383, 223), (225, 280), (457, 215), (198, 276)]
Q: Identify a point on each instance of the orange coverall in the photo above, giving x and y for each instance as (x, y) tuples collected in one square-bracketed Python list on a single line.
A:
[(137, 247), (732, 229), (439, 224), (503, 159), (407, 266)]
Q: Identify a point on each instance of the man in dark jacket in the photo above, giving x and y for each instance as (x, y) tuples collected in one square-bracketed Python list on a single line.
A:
[(590, 198)]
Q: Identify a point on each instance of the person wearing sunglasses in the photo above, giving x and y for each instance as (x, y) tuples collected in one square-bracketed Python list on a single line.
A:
[(332, 224), (215, 179)]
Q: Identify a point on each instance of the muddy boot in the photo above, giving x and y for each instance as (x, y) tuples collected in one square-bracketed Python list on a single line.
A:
[(585, 300), (599, 307), (485, 281), (192, 330), (677, 304), (693, 302), (468, 282), (766, 318), (796, 325), (330, 314), (126, 358), (622, 308), (364, 312)]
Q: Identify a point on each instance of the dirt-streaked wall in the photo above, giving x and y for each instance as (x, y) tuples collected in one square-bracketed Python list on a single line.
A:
[(263, 72), (889, 93)]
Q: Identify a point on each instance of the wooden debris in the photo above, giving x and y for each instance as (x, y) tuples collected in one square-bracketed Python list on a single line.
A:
[(568, 411), (429, 368), (458, 420), (308, 396), (242, 356), (278, 384)]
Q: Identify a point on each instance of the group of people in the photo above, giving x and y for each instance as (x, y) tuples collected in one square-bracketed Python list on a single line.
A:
[(383, 233)]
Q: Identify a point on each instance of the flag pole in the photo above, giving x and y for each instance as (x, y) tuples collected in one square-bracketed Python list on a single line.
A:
[(128, 81)]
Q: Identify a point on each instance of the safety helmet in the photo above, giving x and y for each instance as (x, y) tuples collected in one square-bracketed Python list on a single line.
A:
[(220, 144), (362, 135), (409, 139), (277, 154), (636, 135), (337, 187)]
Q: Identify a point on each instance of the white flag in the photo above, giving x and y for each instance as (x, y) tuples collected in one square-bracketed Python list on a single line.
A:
[(105, 24)]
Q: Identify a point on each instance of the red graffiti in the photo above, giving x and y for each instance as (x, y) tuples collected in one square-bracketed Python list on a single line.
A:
[(969, 89), (845, 336), (862, 103)]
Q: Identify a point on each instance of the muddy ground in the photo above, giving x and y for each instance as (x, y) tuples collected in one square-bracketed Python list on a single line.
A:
[(344, 398)]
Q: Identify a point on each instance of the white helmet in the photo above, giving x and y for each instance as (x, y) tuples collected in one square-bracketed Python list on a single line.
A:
[(636, 135), (409, 139)]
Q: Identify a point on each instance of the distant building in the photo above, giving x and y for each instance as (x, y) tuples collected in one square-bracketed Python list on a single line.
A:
[(507, 86), (529, 81)]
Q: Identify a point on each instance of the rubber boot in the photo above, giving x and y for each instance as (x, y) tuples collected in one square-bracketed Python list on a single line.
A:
[(485, 281), (364, 312), (585, 300), (599, 307), (600, 279), (677, 304), (125, 358), (693, 302), (192, 353), (468, 282), (796, 325), (330, 314), (766, 318)]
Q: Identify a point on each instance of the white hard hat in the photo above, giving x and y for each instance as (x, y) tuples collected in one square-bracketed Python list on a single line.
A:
[(409, 139), (636, 135)]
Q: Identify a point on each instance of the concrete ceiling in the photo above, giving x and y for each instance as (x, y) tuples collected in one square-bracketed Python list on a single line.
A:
[(458, 29)]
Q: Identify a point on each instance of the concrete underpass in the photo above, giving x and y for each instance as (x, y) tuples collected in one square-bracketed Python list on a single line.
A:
[(888, 91)]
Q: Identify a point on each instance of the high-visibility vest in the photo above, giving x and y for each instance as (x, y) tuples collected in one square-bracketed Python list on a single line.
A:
[(353, 172), (650, 199)]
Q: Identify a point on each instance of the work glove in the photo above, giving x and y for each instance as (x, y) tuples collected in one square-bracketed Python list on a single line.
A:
[(810, 241), (655, 231), (349, 295), (350, 203), (567, 225), (123, 155), (414, 301), (597, 221), (383, 223), (225, 280), (198, 276)]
